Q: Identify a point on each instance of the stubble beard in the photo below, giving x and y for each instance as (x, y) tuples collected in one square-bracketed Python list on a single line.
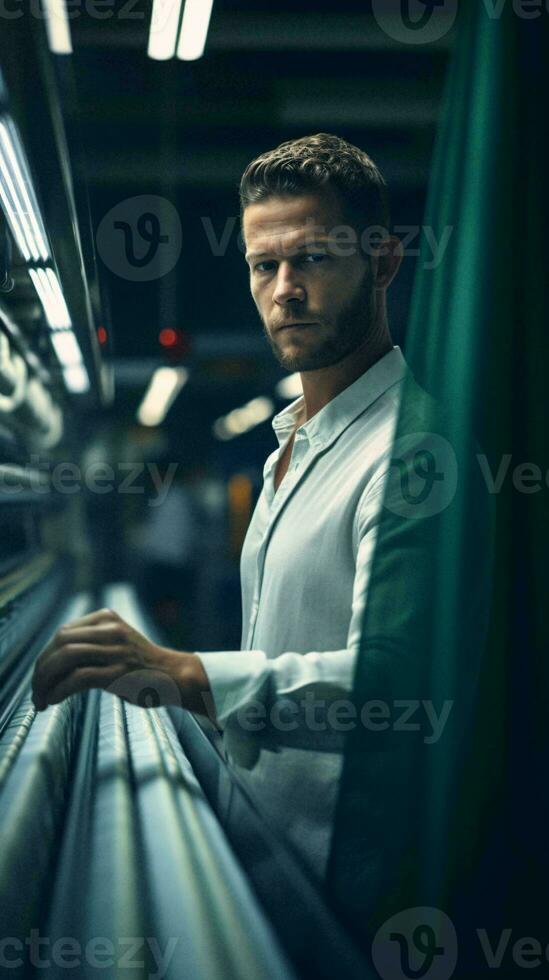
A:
[(354, 325)]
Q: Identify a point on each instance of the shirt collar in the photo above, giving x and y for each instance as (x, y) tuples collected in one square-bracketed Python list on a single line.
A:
[(330, 421)]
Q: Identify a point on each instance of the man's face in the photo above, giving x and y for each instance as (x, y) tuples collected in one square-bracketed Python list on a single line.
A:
[(310, 281)]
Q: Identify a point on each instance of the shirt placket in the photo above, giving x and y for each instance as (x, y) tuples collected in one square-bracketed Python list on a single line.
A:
[(304, 452)]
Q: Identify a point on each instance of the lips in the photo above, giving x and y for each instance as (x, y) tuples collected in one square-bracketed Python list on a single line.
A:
[(298, 323)]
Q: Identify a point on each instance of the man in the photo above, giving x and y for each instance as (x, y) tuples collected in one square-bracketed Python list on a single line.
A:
[(314, 218)]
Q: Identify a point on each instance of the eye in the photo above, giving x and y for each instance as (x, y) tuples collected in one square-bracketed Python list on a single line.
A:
[(313, 258), (266, 266)]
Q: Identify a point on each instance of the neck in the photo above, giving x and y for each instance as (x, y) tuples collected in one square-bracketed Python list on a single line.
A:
[(319, 387)]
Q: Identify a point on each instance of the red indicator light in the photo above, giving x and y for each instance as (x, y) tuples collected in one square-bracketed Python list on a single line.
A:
[(102, 335), (176, 343), (168, 337)]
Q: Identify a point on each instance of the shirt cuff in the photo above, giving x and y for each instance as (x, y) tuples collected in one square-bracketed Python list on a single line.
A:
[(236, 678)]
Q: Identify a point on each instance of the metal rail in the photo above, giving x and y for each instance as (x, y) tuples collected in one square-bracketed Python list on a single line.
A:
[(111, 851)]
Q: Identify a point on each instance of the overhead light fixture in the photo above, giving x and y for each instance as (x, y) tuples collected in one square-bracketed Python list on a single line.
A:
[(66, 347), (23, 215), (290, 387), (57, 26), (69, 356), (164, 386), (62, 336), (43, 290), (241, 420), (167, 26), (76, 379), (18, 196), (62, 317), (194, 29), (51, 296), (165, 18)]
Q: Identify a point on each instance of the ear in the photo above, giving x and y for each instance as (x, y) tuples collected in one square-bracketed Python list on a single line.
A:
[(388, 261)]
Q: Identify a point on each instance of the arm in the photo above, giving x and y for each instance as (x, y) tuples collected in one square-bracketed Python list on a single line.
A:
[(102, 651)]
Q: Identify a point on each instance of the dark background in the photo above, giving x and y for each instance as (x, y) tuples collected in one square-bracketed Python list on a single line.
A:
[(186, 130)]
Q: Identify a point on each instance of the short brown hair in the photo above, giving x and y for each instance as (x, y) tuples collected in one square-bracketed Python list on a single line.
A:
[(313, 162)]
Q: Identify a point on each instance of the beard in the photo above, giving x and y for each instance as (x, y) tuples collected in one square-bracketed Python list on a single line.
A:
[(354, 324)]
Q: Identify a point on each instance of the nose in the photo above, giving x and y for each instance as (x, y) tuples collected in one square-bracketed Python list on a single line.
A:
[(287, 285)]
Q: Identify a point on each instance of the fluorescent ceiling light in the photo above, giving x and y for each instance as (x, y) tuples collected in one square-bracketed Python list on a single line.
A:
[(290, 387), (241, 420), (194, 29), (165, 18), (62, 314), (57, 26), (165, 28), (63, 339), (44, 293), (18, 197), (66, 347), (51, 296), (69, 356), (76, 379), (17, 222), (164, 386)]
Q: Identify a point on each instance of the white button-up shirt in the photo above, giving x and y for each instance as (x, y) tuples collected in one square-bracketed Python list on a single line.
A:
[(305, 569)]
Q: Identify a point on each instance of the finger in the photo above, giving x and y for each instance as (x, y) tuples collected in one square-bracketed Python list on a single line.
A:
[(98, 616), (82, 679), (101, 633), (71, 658)]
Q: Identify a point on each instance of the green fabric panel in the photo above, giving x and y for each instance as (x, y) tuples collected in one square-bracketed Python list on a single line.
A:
[(456, 602)]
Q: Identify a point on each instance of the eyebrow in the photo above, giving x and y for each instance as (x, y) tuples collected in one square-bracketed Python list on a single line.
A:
[(297, 248)]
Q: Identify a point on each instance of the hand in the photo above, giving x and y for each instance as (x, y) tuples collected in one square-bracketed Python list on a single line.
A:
[(102, 651)]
